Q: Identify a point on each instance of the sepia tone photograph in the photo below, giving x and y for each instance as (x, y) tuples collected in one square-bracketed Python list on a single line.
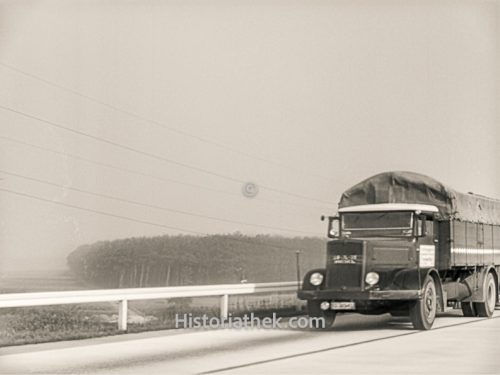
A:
[(249, 186)]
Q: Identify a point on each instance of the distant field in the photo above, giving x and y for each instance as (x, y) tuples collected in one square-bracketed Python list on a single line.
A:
[(68, 322), (41, 281)]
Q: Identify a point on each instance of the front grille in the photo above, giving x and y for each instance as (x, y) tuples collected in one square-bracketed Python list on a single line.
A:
[(344, 265)]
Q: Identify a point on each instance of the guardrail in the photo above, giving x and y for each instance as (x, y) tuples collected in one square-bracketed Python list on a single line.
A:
[(133, 294)]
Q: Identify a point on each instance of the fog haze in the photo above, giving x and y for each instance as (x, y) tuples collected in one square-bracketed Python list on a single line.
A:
[(303, 98)]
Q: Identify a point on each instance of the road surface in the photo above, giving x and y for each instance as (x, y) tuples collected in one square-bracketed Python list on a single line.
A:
[(357, 344)]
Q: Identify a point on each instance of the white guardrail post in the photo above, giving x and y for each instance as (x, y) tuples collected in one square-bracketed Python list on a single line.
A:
[(224, 307), (122, 315), (122, 296)]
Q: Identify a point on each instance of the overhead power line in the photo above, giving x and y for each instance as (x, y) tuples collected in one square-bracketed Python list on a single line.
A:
[(131, 219), (112, 166), (143, 174), (147, 205), (152, 155), (118, 145), (59, 203), (157, 123)]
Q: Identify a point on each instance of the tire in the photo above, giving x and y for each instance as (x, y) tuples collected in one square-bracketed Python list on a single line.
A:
[(487, 308), (326, 318), (423, 311), (468, 309)]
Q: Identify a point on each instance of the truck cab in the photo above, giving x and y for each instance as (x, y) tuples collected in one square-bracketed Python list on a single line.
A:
[(380, 258)]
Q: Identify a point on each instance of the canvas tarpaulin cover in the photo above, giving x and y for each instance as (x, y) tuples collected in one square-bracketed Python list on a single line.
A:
[(409, 187)]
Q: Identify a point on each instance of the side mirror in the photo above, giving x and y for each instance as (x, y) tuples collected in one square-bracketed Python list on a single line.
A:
[(333, 226)]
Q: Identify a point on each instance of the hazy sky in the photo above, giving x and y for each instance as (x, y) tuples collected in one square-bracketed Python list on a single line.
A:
[(303, 97)]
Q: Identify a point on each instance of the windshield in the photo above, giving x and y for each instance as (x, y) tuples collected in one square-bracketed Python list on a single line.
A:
[(377, 223)]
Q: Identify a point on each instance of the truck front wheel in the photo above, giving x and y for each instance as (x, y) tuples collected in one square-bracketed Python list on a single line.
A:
[(423, 311), (324, 319)]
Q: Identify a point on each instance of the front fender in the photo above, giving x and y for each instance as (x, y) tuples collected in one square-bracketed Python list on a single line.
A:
[(411, 279), (306, 285)]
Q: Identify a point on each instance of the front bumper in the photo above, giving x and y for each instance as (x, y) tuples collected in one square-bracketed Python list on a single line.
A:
[(369, 295)]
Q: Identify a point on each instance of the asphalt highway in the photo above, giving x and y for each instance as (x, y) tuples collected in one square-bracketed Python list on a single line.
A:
[(356, 344)]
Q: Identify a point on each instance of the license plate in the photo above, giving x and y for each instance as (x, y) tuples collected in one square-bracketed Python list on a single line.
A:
[(343, 306)]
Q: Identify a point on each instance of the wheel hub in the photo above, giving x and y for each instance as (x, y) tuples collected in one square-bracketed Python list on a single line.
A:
[(429, 302)]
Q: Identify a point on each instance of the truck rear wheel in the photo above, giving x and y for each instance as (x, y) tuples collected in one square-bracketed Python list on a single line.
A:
[(325, 318), (485, 309), (423, 311)]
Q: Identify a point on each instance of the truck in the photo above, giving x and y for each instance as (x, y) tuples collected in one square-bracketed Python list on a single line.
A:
[(405, 244)]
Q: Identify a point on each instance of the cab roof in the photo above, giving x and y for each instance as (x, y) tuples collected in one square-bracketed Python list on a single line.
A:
[(391, 207)]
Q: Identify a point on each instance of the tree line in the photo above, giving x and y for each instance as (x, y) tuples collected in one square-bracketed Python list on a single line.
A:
[(194, 260)]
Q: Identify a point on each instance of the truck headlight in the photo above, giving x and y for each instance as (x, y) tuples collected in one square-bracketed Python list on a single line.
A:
[(316, 278), (372, 278)]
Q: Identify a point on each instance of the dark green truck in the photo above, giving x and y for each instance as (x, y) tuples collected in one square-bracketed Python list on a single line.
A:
[(405, 244)]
